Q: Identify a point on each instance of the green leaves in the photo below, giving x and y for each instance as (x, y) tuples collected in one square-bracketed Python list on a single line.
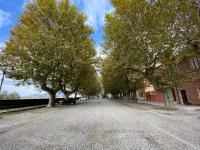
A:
[(50, 46), (145, 40)]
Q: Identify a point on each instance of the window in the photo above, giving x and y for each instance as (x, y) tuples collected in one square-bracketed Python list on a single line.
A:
[(194, 63)]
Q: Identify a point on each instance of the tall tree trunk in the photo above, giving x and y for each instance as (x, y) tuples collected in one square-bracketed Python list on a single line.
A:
[(129, 95), (52, 92), (52, 99), (121, 95), (169, 102), (67, 94), (75, 95), (134, 96)]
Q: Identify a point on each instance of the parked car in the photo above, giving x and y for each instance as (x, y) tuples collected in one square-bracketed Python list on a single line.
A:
[(83, 99), (68, 102)]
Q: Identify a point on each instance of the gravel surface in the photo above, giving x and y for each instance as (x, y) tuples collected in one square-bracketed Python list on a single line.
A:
[(101, 125)]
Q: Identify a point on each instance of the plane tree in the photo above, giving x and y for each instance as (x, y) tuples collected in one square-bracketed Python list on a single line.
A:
[(83, 54), (148, 39), (49, 38), (119, 80), (127, 41), (91, 85), (78, 79)]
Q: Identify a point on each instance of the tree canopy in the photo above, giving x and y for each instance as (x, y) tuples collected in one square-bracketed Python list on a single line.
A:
[(147, 39), (49, 47)]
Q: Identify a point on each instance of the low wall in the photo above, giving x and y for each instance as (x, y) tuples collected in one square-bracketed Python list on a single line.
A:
[(5, 104)]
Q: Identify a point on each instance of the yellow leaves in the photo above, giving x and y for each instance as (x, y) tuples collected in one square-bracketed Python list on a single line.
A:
[(139, 34), (63, 5), (50, 42)]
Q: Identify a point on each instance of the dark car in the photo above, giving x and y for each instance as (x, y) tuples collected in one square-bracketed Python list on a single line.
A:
[(68, 102)]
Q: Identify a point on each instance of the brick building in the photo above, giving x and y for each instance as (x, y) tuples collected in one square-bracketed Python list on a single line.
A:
[(189, 91), (150, 94)]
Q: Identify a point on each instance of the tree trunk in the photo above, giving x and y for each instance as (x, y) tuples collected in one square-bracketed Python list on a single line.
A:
[(121, 95), (75, 95), (52, 99), (134, 96), (129, 95), (67, 94), (52, 94), (169, 102)]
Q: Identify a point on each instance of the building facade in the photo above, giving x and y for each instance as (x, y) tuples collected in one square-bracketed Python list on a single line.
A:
[(150, 94), (188, 92)]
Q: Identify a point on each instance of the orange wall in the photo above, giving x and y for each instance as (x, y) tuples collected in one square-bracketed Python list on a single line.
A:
[(156, 97)]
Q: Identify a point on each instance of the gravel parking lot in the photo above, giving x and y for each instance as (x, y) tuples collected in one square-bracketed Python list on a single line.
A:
[(101, 125)]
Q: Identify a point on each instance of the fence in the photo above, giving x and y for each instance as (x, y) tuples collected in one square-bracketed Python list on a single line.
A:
[(5, 104)]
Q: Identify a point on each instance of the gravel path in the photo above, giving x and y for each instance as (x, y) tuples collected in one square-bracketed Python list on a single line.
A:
[(101, 125)]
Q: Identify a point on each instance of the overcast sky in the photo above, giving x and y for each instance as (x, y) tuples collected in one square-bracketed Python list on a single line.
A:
[(10, 10)]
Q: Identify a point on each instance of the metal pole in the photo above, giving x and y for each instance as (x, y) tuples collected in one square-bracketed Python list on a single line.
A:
[(2, 79)]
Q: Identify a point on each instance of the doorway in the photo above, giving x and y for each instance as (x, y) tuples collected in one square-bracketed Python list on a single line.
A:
[(184, 97), (174, 95)]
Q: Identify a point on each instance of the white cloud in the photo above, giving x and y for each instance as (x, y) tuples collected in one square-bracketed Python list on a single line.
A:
[(95, 10), (4, 18), (99, 50)]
